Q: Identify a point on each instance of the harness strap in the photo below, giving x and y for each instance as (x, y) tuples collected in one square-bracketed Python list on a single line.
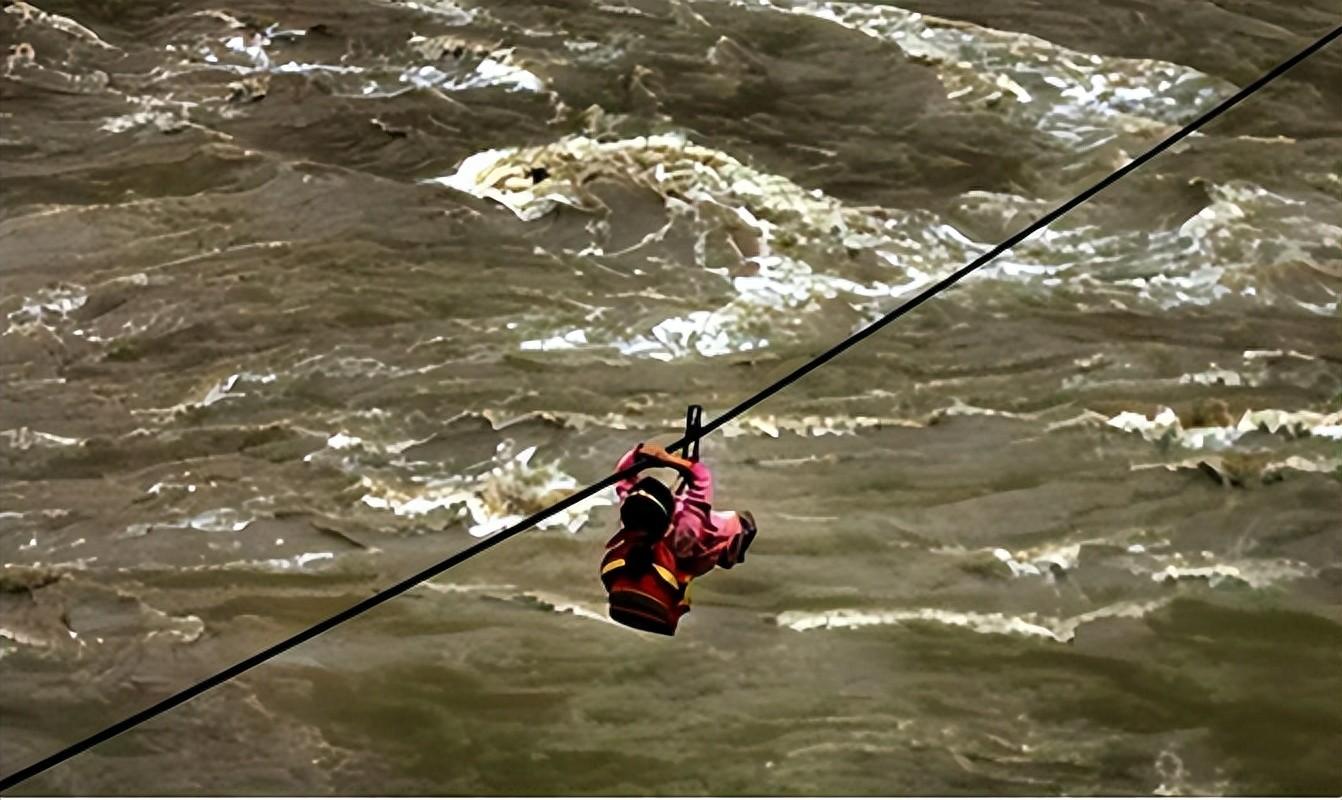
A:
[(694, 419), (667, 575)]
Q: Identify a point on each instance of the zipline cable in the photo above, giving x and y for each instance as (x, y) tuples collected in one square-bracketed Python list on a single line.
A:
[(737, 410)]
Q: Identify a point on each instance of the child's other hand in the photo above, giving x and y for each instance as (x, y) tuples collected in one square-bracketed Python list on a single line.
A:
[(654, 451), (658, 453)]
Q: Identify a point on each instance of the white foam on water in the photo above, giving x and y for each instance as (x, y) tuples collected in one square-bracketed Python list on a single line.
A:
[(219, 520), (296, 562), (185, 629), (503, 495), (307, 69), (1165, 426), (492, 71), (446, 11), (1216, 376), (1028, 625), (1244, 230), (47, 306), (568, 341), (25, 438), (343, 441), (468, 588), (1076, 97), (217, 392), (562, 605), (29, 13), (1174, 780), (1042, 561), (780, 215), (548, 601), (1292, 423), (251, 46)]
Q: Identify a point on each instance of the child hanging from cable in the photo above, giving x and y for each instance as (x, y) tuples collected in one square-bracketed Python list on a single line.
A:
[(667, 538)]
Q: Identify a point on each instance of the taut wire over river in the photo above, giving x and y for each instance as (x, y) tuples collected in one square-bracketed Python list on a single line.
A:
[(295, 301)]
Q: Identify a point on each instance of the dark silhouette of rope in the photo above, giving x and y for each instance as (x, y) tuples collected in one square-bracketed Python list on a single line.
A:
[(737, 410)]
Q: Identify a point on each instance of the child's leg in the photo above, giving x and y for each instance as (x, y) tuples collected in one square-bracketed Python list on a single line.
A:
[(725, 523), (740, 529)]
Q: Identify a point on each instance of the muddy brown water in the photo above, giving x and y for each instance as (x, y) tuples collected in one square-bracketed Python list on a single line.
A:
[(299, 299)]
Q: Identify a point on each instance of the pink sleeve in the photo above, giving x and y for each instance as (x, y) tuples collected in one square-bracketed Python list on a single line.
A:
[(699, 485), (694, 537), (625, 485)]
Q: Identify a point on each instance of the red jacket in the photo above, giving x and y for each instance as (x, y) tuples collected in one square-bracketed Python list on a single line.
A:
[(700, 538)]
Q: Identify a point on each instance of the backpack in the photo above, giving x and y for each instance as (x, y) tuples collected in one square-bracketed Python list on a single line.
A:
[(646, 588)]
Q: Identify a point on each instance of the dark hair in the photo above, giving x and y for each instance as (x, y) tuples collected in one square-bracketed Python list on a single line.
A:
[(648, 507)]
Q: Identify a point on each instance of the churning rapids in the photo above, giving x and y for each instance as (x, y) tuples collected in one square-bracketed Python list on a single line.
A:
[(296, 299)]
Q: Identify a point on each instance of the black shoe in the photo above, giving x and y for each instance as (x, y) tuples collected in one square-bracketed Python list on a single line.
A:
[(747, 535)]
